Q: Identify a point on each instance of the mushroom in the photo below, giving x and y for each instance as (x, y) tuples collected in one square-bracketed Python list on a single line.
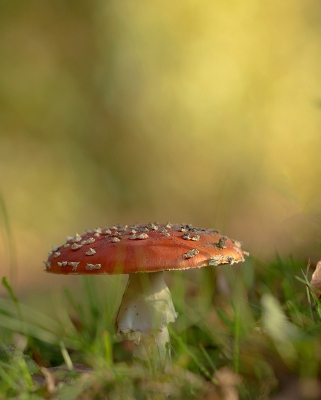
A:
[(316, 280), (144, 252)]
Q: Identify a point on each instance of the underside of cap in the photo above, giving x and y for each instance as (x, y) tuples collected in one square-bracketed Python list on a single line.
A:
[(142, 248)]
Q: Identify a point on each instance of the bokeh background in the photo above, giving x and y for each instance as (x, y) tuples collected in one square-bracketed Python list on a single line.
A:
[(202, 112)]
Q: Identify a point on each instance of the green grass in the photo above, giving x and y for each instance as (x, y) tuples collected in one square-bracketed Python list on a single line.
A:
[(252, 325)]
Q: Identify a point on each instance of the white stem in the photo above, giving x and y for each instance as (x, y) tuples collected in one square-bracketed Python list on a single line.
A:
[(143, 315)]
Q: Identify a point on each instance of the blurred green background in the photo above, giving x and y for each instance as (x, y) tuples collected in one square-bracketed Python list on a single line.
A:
[(202, 112)]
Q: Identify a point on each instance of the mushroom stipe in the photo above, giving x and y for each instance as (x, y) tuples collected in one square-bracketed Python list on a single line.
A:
[(144, 252)]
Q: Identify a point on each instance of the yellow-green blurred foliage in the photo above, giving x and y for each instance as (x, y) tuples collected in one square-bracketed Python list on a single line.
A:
[(205, 112)]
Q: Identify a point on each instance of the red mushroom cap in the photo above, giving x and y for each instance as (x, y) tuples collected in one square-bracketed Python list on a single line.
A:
[(142, 248)]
